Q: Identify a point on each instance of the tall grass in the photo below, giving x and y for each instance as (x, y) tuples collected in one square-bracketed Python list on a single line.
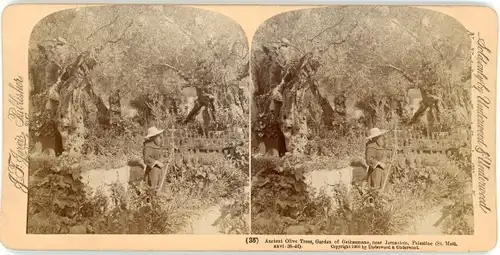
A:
[(419, 183), (60, 203)]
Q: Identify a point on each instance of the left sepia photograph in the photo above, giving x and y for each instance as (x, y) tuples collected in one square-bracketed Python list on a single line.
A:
[(138, 122)]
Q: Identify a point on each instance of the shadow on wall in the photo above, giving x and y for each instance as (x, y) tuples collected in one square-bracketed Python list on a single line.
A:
[(359, 171)]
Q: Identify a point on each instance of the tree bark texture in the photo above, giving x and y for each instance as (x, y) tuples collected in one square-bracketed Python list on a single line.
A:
[(279, 99), (115, 107), (71, 104)]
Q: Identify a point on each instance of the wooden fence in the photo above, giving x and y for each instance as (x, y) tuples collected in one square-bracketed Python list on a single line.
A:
[(438, 142), (214, 141)]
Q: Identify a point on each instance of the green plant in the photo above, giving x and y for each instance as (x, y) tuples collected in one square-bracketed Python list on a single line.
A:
[(59, 202), (278, 191), (56, 198), (419, 183), (235, 215), (133, 214)]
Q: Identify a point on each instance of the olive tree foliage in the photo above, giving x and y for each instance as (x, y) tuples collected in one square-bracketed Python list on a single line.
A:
[(415, 48), (368, 58), (371, 55), (289, 58), (128, 47)]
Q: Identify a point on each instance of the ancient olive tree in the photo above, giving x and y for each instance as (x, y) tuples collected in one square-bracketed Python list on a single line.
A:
[(63, 89), (288, 74), (88, 64), (415, 49)]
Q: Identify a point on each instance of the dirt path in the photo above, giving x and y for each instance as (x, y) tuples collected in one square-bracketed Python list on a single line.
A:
[(322, 179), (203, 224), (102, 179), (424, 224)]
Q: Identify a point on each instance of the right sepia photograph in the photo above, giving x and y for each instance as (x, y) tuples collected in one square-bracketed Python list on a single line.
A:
[(361, 123)]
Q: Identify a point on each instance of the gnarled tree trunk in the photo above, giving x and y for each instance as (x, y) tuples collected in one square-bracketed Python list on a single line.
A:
[(72, 100), (71, 115), (328, 112), (294, 120), (279, 97), (115, 107)]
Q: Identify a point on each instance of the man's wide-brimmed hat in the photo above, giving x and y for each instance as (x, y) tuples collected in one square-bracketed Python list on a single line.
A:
[(375, 132), (153, 131)]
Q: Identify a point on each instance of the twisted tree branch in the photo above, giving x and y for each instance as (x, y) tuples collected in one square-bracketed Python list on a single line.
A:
[(120, 37), (324, 30), (191, 37), (179, 72), (401, 71), (100, 28)]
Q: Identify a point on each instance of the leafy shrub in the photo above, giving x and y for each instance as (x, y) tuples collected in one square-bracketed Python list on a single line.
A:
[(59, 202), (279, 193), (235, 220), (132, 214), (419, 183), (346, 148), (124, 137), (56, 196)]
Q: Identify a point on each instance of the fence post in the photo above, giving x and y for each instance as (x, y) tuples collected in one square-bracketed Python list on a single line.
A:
[(393, 158)]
